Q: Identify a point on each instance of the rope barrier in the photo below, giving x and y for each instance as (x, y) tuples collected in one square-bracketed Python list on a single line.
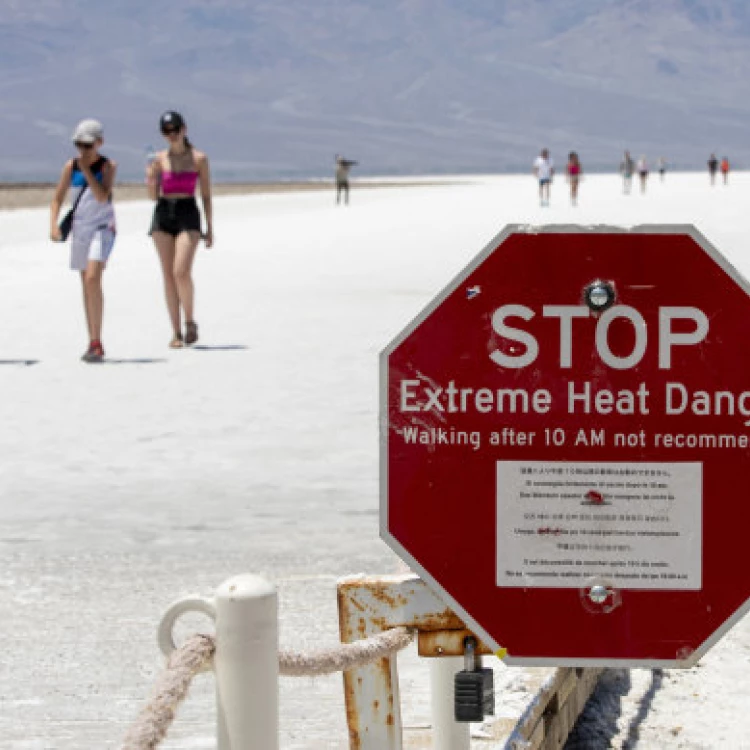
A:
[(154, 720), (151, 726), (346, 655)]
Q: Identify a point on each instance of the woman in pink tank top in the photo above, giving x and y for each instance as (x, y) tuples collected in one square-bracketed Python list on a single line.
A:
[(574, 171), (172, 178)]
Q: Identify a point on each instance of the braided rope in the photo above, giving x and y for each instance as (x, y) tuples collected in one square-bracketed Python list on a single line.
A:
[(171, 688), (346, 655), (151, 726)]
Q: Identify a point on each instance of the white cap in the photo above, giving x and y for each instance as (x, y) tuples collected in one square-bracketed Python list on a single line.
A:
[(88, 131)]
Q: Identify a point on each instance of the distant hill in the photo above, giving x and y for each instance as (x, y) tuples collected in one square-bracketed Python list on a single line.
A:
[(405, 86)]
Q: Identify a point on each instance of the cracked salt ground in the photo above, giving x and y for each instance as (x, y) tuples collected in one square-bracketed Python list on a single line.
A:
[(266, 456)]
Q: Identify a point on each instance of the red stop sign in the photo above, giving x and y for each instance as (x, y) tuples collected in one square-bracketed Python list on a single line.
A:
[(567, 445)]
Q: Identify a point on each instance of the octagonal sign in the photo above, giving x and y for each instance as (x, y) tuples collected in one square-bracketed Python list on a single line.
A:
[(566, 445)]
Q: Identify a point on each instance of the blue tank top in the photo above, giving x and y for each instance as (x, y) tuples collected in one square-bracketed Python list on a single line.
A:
[(77, 180)]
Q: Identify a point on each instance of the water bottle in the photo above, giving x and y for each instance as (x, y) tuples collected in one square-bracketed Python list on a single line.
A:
[(150, 159)]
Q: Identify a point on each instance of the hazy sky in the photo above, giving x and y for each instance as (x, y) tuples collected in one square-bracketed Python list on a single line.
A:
[(404, 86)]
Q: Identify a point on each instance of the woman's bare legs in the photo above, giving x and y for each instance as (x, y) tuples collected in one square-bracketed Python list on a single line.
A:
[(93, 298), (165, 246), (186, 244), (176, 255), (574, 190)]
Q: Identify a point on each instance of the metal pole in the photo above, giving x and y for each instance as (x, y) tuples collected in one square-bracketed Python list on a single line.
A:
[(246, 661), (447, 734)]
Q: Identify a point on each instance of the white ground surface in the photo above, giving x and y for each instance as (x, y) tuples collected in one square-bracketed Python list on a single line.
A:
[(161, 473)]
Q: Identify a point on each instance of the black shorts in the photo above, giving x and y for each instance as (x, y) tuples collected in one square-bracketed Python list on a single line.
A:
[(176, 215)]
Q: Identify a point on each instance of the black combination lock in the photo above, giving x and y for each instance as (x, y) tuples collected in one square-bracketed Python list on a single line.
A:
[(474, 687)]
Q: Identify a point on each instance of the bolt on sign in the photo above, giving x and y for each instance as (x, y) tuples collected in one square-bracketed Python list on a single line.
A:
[(565, 447)]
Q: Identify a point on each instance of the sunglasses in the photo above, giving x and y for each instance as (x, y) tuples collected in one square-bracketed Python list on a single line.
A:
[(170, 131), (78, 144)]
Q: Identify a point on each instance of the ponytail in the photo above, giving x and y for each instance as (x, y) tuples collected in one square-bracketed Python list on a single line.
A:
[(187, 143)]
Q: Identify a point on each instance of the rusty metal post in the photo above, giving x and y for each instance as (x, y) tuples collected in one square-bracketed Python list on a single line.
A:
[(373, 706), (369, 605)]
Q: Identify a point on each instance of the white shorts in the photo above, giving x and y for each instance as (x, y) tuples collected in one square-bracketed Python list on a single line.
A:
[(87, 243)]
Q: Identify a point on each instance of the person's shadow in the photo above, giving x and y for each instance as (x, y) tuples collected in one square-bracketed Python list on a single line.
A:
[(219, 347), (132, 361), (597, 725)]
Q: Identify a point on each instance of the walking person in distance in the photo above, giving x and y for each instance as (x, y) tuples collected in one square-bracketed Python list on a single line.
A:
[(574, 171), (91, 223), (713, 166), (627, 167), (172, 178), (544, 171), (724, 167), (642, 169), (661, 166)]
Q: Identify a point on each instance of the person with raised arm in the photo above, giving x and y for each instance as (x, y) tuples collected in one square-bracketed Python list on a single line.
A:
[(342, 178)]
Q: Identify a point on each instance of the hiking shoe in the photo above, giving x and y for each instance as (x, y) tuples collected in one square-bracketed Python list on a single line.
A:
[(176, 342), (95, 352), (191, 332)]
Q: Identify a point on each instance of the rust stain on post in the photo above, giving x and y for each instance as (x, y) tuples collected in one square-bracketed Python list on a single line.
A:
[(447, 643), (352, 714), (370, 605), (367, 689)]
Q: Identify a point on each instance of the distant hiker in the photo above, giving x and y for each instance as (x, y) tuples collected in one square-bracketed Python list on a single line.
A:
[(90, 177), (713, 165), (661, 166), (544, 171), (342, 177), (574, 172), (176, 225), (627, 167), (642, 168), (725, 170)]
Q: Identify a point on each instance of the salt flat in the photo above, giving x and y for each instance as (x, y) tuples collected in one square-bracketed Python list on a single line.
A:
[(161, 473)]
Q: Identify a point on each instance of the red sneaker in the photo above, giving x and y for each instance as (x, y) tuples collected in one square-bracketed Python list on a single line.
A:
[(95, 352)]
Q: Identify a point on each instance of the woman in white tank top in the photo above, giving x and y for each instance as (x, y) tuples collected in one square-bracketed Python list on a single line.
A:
[(89, 177)]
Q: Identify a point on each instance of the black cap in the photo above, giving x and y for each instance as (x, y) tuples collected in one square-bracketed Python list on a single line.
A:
[(171, 120)]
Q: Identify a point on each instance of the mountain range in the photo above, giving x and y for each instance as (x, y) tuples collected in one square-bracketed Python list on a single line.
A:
[(274, 89)]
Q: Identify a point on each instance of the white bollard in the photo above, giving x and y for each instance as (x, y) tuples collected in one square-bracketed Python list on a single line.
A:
[(447, 733), (246, 662)]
